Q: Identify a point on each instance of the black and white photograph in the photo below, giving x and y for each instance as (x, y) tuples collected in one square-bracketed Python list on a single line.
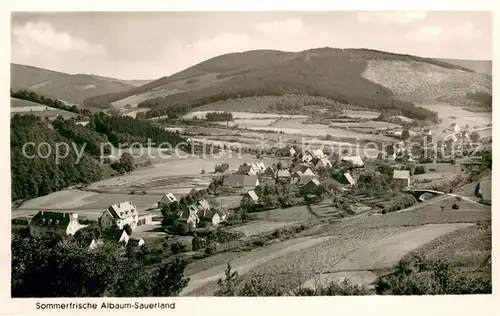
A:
[(250, 154)]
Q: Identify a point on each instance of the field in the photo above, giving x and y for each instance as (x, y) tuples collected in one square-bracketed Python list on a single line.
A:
[(23, 107), (292, 214), (453, 114)]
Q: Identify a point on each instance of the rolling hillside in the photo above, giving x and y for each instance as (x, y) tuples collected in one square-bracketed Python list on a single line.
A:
[(70, 88), (362, 77), (479, 66)]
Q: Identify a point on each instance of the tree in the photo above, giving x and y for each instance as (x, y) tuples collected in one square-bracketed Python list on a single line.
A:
[(169, 279), (127, 162), (228, 285)]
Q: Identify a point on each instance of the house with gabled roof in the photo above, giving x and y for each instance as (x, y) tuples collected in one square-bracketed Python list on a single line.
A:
[(54, 223), (241, 183), (292, 152), (166, 200), (283, 175), (210, 218), (131, 240), (317, 154), (270, 172), (299, 175), (119, 214), (310, 187)]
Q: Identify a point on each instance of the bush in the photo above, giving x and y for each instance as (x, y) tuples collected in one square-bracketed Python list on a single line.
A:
[(419, 170), (455, 206), (177, 248), (211, 249), (199, 243)]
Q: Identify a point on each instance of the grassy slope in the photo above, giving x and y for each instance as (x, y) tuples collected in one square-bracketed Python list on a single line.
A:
[(328, 72), (71, 88)]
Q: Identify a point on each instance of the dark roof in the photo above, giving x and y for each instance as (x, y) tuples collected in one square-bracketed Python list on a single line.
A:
[(48, 218), (306, 179), (239, 180)]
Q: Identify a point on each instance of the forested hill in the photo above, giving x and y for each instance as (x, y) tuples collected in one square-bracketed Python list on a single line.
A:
[(32, 175), (361, 77), (67, 87)]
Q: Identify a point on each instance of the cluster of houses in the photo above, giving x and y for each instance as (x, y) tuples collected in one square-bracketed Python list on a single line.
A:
[(121, 215), (251, 175), (193, 215)]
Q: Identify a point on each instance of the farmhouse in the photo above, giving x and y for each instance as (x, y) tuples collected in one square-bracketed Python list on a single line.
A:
[(401, 177), (283, 175), (127, 239), (241, 183), (323, 163), (270, 172), (119, 214), (310, 187), (355, 161), (54, 223), (189, 217), (210, 218), (166, 200)]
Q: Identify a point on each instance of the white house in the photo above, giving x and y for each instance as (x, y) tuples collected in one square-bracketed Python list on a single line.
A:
[(120, 214), (166, 200), (317, 154), (292, 152), (54, 223), (401, 177)]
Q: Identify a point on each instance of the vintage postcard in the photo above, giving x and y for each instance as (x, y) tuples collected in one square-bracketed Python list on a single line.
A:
[(162, 157)]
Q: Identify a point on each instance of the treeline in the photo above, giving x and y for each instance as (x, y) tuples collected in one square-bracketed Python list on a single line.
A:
[(33, 175), (219, 116), (38, 171), (483, 98), (53, 103)]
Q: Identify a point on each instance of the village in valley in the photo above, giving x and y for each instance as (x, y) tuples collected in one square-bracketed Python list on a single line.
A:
[(315, 172)]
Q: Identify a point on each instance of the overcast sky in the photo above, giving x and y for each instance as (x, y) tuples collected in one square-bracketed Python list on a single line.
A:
[(151, 45)]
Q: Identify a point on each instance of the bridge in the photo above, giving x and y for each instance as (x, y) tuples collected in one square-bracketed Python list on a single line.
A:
[(419, 194)]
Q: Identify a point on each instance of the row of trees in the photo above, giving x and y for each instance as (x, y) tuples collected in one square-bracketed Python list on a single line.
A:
[(53, 103), (219, 116)]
